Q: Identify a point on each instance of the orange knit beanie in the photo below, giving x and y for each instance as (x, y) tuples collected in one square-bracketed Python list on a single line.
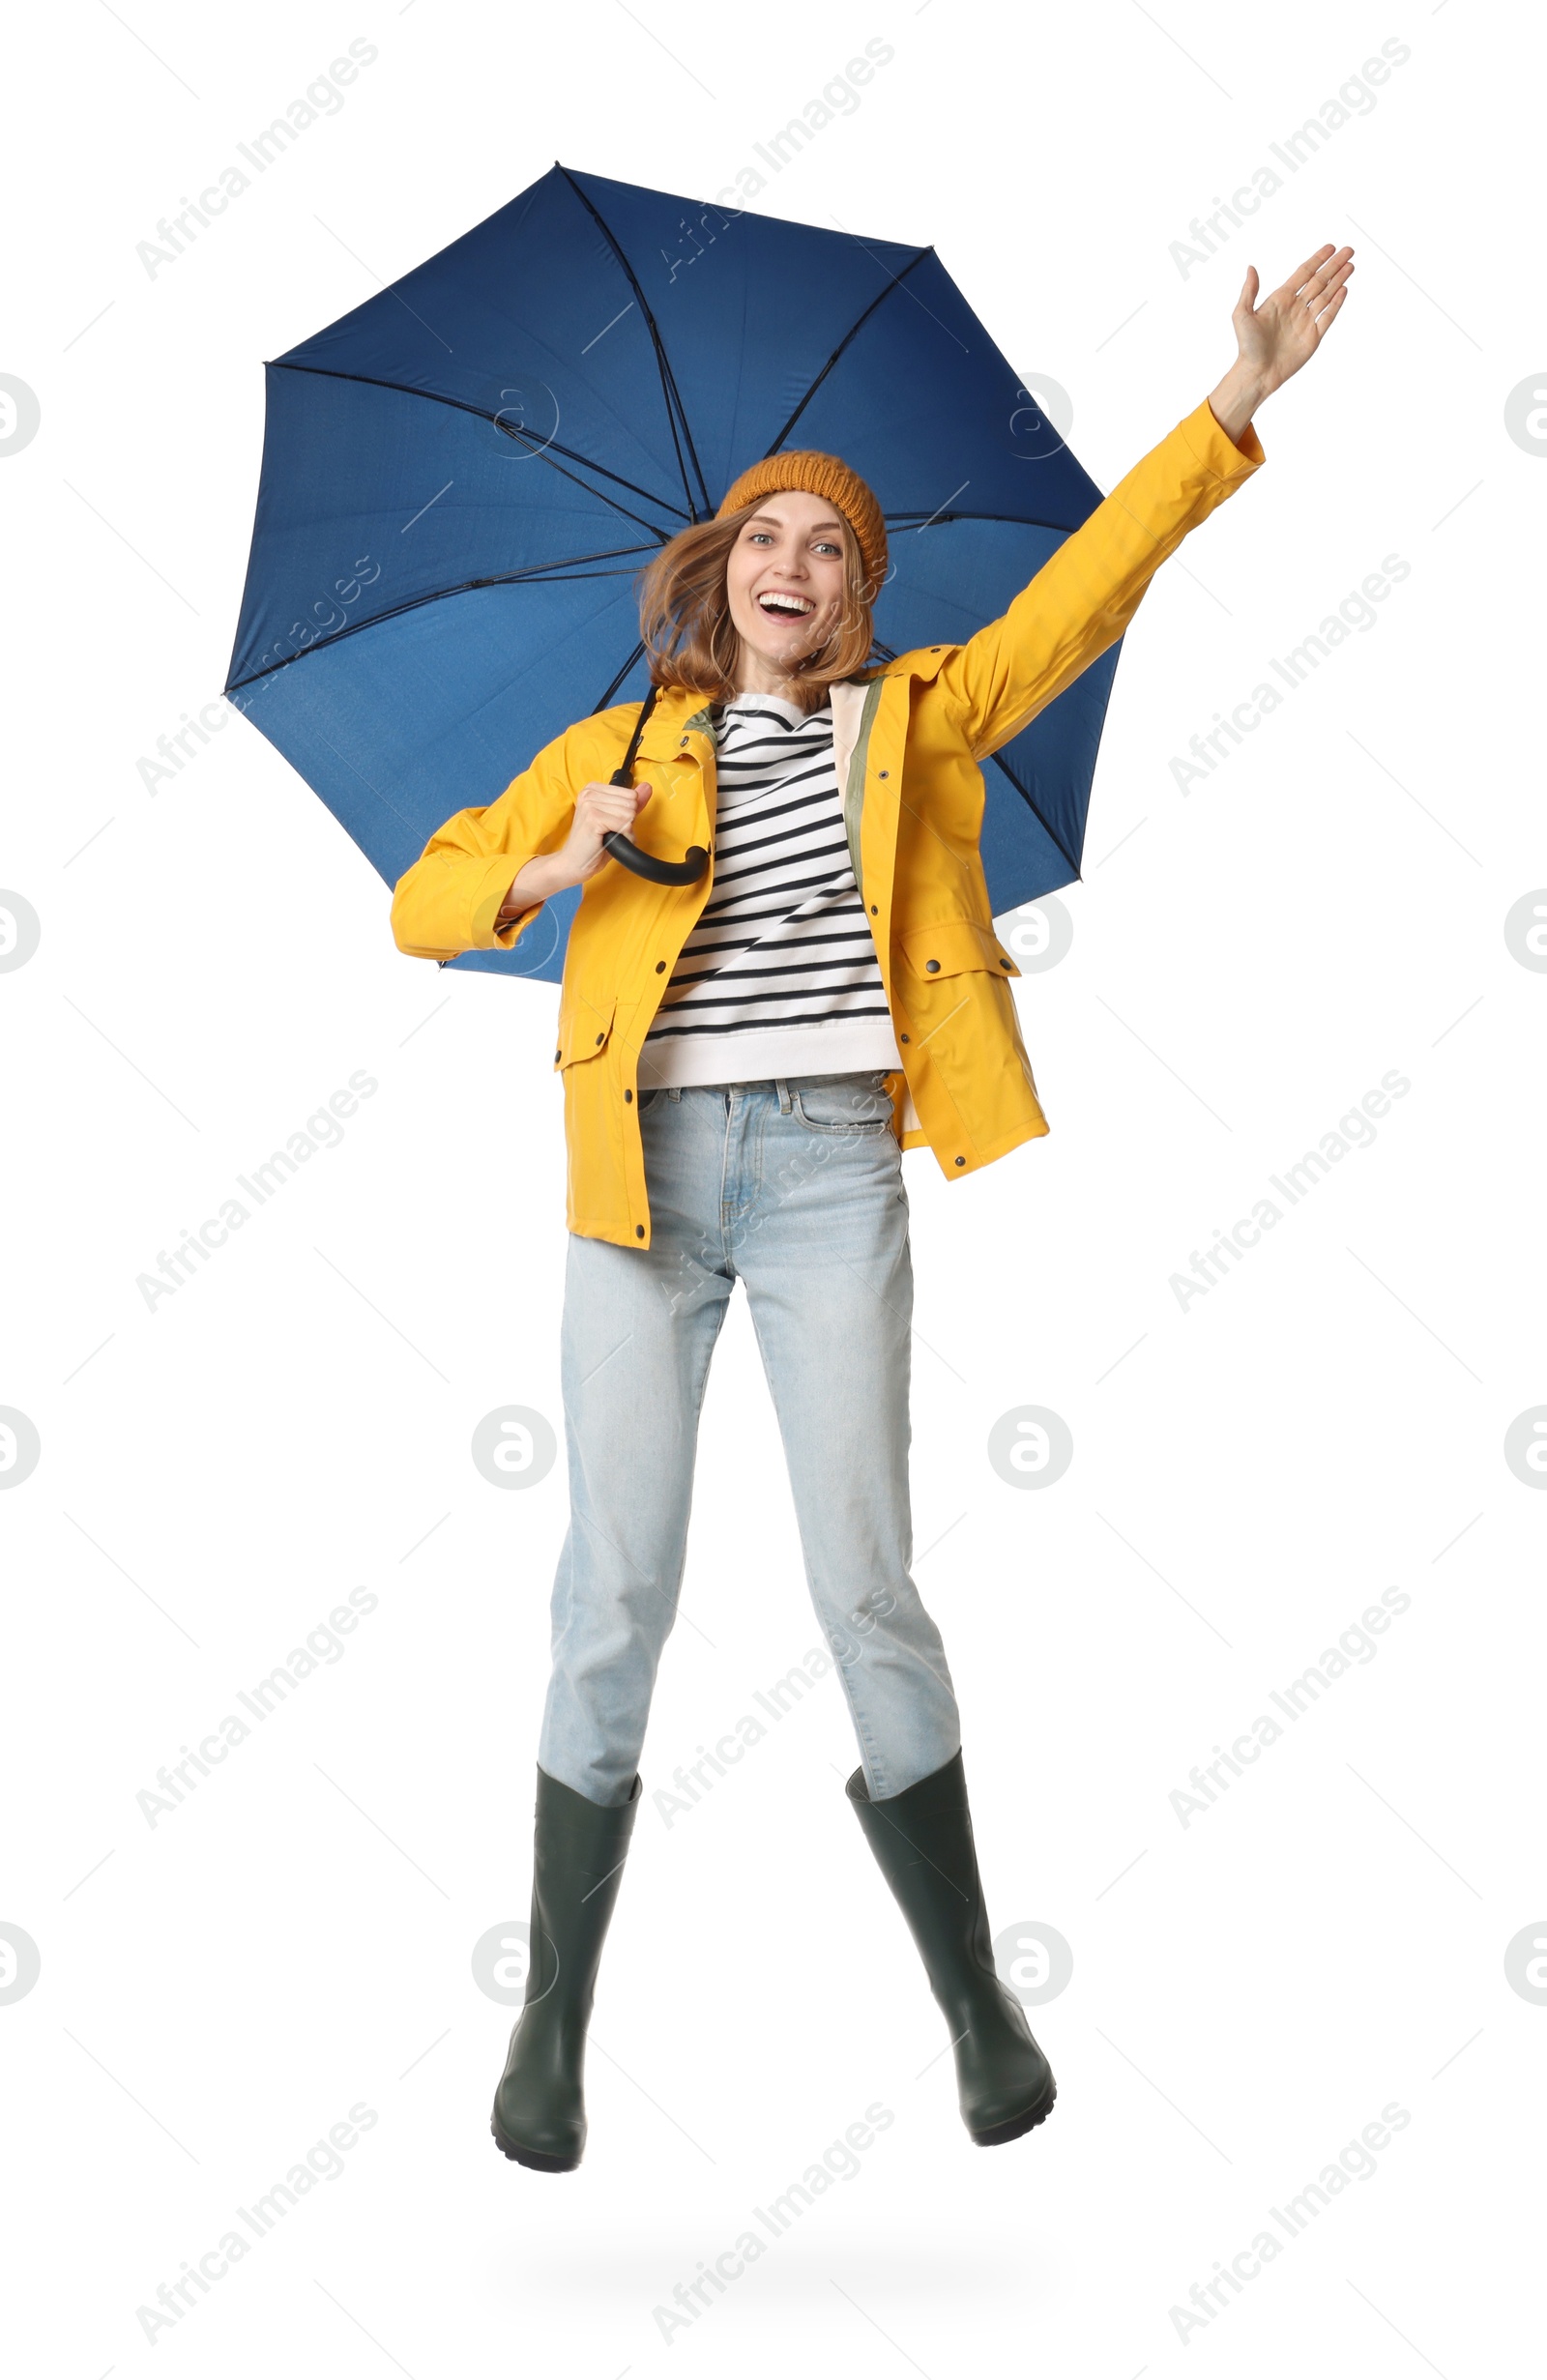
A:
[(821, 475)]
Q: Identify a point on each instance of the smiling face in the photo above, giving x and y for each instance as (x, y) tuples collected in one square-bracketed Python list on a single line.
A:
[(784, 584)]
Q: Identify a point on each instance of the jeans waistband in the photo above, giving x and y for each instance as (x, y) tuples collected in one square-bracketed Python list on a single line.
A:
[(782, 1084)]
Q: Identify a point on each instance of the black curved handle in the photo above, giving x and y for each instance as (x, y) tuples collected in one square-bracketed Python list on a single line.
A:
[(684, 871)]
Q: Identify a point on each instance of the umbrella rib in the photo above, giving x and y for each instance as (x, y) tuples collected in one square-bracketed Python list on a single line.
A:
[(668, 382), (617, 681), (537, 573), (894, 281), (545, 454), (459, 404), (1013, 520)]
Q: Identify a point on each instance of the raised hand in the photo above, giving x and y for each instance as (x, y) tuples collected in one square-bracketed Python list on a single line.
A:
[(1276, 338), (1273, 339)]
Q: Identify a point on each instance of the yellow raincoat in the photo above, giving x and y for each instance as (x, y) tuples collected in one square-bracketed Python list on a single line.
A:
[(908, 738)]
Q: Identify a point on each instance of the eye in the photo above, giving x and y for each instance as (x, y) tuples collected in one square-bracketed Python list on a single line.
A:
[(828, 546), (753, 535)]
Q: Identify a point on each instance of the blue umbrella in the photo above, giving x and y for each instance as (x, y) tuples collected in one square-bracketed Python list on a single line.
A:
[(462, 477)]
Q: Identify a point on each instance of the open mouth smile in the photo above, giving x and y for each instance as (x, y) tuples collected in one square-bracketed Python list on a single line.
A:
[(781, 606)]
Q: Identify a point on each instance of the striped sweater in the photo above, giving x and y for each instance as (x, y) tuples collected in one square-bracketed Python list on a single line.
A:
[(779, 974)]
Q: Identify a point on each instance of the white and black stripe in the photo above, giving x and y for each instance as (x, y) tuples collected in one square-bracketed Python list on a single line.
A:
[(779, 974)]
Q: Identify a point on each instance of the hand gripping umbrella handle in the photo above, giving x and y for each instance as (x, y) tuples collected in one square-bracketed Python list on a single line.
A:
[(684, 871)]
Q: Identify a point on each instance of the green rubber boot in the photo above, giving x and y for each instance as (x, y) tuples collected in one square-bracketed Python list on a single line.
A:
[(923, 1840), (579, 1848)]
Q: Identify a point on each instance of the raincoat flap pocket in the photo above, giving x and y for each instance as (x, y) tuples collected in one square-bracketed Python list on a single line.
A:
[(585, 1026), (954, 946)]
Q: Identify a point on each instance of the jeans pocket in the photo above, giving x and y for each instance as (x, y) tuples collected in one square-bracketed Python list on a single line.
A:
[(843, 1104)]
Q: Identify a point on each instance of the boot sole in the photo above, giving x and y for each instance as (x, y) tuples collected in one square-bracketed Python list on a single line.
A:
[(1017, 2124), (535, 2159)]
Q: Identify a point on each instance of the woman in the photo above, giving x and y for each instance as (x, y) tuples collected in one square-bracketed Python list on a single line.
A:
[(744, 1058)]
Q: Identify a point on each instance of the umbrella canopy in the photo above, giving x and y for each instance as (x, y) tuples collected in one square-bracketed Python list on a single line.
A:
[(462, 477)]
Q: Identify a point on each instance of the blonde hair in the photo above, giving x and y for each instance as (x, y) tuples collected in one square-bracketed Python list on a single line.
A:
[(690, 639)]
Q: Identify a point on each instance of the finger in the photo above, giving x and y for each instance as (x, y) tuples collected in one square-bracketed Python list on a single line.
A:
[(1316, 299), (1249, 291), (1318, 295), (1323, 319), (1302, 273), (1321, 284), (603, 823), (1325, 273)]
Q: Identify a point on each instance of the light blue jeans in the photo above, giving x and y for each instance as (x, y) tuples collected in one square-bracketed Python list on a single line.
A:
[(795, 1187)]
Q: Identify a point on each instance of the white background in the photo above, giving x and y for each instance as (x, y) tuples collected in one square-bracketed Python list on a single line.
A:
[(1250, 1473)]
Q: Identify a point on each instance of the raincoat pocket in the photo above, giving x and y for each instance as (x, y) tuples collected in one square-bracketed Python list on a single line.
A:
[(952, 947), (585, 1027)]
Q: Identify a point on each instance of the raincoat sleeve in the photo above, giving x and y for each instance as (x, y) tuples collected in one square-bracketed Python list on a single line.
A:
[(1083, 597), (448, 901)]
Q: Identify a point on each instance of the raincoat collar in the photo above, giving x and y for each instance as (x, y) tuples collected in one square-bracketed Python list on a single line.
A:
[(681, 712)]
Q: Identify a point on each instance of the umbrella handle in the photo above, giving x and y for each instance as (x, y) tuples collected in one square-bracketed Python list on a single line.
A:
[(657, 872), (684, 871)]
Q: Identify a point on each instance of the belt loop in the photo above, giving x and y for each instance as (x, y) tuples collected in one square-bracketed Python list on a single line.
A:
[(786, 1103)]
